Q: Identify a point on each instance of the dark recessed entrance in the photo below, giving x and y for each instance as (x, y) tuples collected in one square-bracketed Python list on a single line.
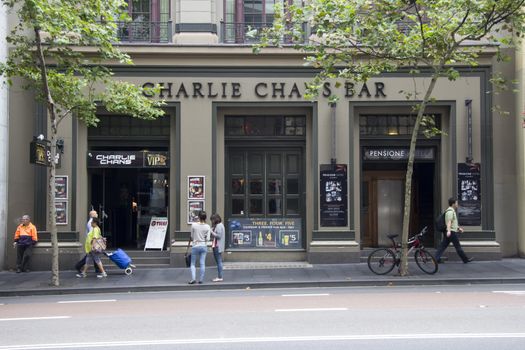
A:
[(383, 190), (127, 199), (128, 164)]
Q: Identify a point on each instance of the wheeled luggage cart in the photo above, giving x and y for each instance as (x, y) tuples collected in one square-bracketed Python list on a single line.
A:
[(122, 260)]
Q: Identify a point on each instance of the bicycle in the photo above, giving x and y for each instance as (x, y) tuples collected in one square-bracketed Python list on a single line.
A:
[(382, 260)]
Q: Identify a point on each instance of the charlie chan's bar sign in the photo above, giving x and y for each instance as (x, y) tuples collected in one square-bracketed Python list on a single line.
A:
[(127, 159)]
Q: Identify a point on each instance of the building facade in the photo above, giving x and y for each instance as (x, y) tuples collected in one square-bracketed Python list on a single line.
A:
[(294, 180)]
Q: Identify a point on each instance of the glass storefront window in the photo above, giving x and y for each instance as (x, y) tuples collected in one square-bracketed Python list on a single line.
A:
[(256, 186), (238, 206), (256, 206), (392, 125), (275, 206), (292, 186), (292, 206), (238, 186), (274, 186), (266, 126)]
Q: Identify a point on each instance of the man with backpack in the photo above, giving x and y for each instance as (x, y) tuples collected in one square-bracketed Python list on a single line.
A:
[(450, 232)]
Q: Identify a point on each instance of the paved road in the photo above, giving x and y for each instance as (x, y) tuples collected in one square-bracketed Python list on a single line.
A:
[(458, 317)]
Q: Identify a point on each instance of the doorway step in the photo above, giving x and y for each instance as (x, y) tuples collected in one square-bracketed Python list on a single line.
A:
[(142, 259)]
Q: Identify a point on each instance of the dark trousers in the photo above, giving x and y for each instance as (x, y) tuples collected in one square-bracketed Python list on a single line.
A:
[(23, 254), (455, 241)]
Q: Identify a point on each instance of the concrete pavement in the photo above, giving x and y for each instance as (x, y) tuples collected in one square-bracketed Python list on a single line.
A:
[(260, 275)]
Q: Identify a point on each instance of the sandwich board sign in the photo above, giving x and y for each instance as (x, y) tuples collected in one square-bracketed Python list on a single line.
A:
[(156, 233)]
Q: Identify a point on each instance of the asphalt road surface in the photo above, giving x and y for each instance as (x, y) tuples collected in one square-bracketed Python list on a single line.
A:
[(444, 317)]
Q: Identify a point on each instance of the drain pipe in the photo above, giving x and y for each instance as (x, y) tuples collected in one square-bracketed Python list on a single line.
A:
[(470, 158), (333, 160)]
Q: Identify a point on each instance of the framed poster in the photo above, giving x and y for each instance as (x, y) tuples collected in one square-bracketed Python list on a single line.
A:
[(196, 187), (334, 195), (61, 190), (469, 194), (194, 207), (61, 214)]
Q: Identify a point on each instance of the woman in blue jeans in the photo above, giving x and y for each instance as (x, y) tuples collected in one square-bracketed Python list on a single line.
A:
[(200, 234), (217, 233)]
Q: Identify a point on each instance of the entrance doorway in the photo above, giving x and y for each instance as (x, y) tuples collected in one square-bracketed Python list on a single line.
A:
[(383, 190), (265, 183), (126, 200)]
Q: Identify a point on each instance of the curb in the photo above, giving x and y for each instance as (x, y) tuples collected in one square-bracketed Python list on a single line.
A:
[(263, 285)]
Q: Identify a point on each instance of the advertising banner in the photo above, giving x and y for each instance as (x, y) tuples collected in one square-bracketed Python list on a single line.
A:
[(265, 233), (334, 195), (469, 194)]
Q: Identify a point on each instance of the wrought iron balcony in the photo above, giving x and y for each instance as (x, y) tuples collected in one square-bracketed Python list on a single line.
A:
[(237, 33), (145, 32)]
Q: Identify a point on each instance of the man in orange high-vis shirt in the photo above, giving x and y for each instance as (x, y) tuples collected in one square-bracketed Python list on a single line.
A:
[(25, 238)]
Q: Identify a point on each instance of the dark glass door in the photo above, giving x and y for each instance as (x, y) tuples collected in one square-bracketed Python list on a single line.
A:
[(265, 183)]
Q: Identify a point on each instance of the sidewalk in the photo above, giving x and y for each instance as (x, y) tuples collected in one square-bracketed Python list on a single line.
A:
[(269, 275)]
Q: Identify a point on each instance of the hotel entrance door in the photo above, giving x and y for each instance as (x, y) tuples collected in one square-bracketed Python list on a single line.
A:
[(382, 207)]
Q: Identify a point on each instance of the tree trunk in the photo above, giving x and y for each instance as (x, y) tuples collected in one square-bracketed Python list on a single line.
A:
[(403, 271), (51, 112)]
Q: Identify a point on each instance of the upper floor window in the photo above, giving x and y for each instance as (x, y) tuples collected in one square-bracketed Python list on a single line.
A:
[(240, 16), (392, 124), (150, 22)]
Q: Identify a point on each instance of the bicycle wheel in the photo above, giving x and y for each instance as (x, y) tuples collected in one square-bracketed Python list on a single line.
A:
[(426, 261), (381, 261)]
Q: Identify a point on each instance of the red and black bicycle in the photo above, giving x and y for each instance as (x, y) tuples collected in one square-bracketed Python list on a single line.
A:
[(382, 260)]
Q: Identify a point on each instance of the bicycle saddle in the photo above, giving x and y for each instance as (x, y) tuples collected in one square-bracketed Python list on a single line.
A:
[(392, 235)]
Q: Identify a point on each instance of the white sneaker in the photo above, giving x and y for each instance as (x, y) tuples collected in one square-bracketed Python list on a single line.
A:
[(81, 275), (217, 279), (102, 275)]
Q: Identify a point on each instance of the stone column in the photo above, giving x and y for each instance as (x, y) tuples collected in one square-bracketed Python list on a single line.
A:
[(4, 140), (196, 22), (520, 148)]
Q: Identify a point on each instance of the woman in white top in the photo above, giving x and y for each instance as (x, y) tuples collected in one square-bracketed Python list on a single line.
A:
[(217, 234), (200, 234)]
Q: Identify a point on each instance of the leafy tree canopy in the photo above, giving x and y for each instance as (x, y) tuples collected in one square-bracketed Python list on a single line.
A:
[(361, 38), (77, 38)]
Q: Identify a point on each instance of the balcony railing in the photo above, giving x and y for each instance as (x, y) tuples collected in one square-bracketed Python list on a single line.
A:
[(145, 32), (237, 33)]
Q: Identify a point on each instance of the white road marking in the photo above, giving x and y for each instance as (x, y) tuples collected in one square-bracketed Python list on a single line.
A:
[(34, 318), (86, 301), (511, 292), (310, 310), (306, 295), (138, 343)]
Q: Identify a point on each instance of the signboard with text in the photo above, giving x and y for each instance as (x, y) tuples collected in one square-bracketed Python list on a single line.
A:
[(127, 159), (469, 194), (397, 153), (334, 195), (156, 233), (265, 233)]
